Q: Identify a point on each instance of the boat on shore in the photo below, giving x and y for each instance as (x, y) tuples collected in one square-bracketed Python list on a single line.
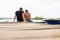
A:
[(52, 21)]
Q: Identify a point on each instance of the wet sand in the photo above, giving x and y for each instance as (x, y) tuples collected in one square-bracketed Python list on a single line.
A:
[(29, 31)]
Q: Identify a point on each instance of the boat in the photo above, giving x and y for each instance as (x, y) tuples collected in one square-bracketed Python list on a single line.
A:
[(52, 21)]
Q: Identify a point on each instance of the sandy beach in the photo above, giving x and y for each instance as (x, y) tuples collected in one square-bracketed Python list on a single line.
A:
[(29, 31)]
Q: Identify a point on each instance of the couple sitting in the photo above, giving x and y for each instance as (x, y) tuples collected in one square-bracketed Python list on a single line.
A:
[(22, 16)]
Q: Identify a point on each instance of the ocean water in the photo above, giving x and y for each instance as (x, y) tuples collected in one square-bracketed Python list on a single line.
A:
[(6, 20), (11, 20)]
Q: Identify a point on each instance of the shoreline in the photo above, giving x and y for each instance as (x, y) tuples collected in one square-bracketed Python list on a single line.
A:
[(29, 31)]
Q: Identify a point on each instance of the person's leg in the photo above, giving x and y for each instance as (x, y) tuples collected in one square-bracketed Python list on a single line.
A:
[(29, 20)]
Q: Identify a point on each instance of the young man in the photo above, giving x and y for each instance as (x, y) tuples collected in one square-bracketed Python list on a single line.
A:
[(19, 15), (27, 16)]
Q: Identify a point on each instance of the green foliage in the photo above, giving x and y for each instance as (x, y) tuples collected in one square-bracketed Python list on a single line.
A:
[(38, 18), (58, 18)]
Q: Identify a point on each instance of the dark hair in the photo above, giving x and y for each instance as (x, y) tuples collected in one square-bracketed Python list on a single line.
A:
[(21, 8), (26, 10)]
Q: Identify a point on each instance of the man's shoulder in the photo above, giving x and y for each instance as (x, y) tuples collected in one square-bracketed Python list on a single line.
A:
[(17, 11)]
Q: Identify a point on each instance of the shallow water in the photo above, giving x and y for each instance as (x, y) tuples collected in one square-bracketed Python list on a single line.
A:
[(11, 20)]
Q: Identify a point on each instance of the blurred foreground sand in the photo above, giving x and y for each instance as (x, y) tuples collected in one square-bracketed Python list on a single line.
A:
[(29, 31)]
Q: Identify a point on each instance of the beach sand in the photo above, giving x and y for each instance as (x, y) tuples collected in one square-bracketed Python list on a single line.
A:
[(29, 31)]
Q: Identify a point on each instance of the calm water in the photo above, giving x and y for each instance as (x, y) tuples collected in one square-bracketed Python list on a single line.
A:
[(11, 20)]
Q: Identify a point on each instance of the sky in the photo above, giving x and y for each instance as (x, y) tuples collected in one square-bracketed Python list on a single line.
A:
[(43, 8)]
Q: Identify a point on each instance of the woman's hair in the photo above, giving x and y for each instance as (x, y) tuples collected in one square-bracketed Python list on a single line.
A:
[(26, 10)]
